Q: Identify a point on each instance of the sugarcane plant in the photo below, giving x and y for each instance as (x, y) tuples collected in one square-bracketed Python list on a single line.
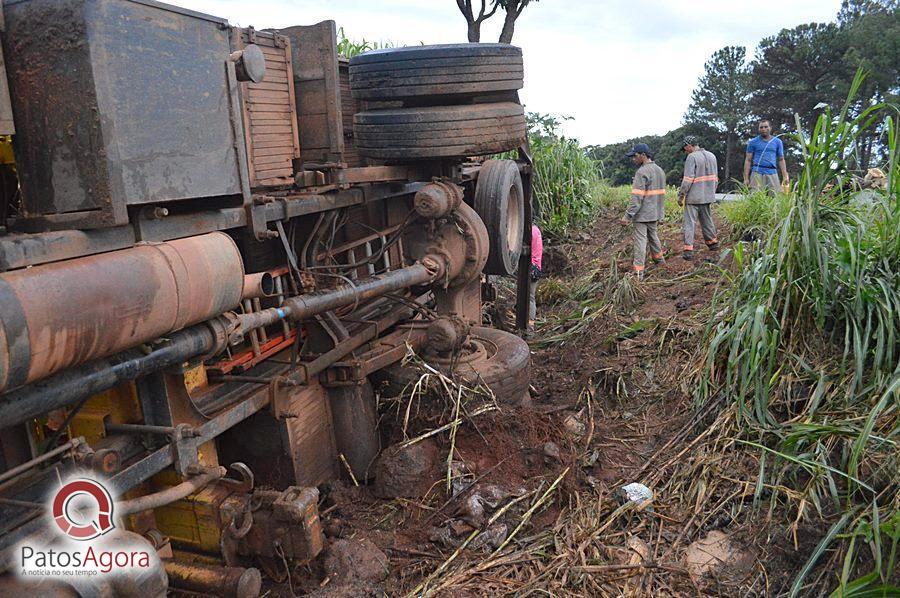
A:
[(804, 351), (567, 183)]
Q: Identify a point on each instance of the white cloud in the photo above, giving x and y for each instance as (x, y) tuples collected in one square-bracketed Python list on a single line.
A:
[(621, 68)]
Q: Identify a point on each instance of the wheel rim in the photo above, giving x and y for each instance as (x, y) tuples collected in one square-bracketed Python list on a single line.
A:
[(478, 350), (513, 219)]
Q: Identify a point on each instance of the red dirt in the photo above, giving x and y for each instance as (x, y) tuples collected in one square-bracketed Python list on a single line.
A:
[(636, 399)]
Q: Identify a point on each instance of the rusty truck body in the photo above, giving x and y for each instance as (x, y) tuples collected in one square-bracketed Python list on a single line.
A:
[(215, 239)]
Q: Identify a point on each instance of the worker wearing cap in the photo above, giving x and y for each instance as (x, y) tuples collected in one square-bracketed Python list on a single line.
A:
[(647, 207), (697, 193)]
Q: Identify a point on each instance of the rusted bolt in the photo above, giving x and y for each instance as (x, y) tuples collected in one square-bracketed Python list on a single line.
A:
[(186, 431), (107, 461)]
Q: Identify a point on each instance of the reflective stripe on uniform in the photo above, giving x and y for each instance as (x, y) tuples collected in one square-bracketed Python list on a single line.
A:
[(643, 193), (701, 179)]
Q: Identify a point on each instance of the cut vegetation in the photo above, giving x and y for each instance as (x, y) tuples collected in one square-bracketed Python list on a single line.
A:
[(756, 396)]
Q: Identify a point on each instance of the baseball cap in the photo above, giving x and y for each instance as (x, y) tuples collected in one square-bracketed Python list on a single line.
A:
[(690, 140), (640, 148)]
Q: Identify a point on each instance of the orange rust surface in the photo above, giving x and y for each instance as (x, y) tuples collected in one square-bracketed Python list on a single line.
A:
[(246, 359), (94, 306)]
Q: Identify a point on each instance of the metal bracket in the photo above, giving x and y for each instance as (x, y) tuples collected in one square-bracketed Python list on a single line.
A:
[(279, 403), (344, 373), (288, 250), (256, 222), (185, 450)]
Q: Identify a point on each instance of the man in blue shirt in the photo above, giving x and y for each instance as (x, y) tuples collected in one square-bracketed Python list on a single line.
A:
[(763, 153)]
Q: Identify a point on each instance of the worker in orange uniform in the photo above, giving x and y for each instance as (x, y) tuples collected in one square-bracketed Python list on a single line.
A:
[(647, 207), (697, 193)]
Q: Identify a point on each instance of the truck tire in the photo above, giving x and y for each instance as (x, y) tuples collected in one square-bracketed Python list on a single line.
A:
[(456, 71), (504, 368), (402, 134), (500, 201)]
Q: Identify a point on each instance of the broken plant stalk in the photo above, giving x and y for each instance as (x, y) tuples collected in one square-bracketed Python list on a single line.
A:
[(445, 427), (422, 589), (453, 430)]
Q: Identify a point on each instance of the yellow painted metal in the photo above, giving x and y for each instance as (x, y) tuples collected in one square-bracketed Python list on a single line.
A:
[(6, 151), (195, 379), (117, 405), (195, 521)]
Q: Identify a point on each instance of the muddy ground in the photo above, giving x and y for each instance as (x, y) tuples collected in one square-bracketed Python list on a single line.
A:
[(610, 405)]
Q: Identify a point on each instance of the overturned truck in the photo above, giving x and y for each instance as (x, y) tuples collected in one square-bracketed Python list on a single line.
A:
[(215, 240)]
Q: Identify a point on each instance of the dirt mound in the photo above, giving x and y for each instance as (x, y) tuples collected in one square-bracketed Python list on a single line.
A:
[(356, 561), (406, 471)]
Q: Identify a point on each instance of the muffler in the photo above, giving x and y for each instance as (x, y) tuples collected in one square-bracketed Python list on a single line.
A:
[(59, 315)]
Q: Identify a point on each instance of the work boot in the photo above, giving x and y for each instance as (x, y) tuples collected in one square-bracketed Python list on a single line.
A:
[(658, 260), (713, 246), (688, 254)]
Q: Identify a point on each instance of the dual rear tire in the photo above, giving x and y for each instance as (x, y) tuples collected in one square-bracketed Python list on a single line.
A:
[(430, 132), (441, 74), (458, 101)]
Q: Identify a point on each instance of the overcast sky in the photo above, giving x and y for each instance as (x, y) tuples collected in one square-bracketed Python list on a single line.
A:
[(621, 68)]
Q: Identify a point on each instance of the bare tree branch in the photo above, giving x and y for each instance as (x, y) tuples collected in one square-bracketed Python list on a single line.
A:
[(474, 23), (513, 10), (495, 4)]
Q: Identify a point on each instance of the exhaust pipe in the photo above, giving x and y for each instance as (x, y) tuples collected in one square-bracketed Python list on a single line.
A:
[(258, 285)]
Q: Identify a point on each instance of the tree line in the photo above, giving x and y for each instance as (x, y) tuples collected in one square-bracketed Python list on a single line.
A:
[(793, 75)]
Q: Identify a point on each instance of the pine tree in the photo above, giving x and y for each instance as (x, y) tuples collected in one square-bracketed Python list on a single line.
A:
[(798, 70), (721, 99)]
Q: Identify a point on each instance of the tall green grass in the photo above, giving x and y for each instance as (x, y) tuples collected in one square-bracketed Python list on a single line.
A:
[(806, 349), (758, 211), (567, 185)]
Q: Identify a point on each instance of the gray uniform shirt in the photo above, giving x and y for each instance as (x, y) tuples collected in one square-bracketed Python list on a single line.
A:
[(648, 194), (701, 175)]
